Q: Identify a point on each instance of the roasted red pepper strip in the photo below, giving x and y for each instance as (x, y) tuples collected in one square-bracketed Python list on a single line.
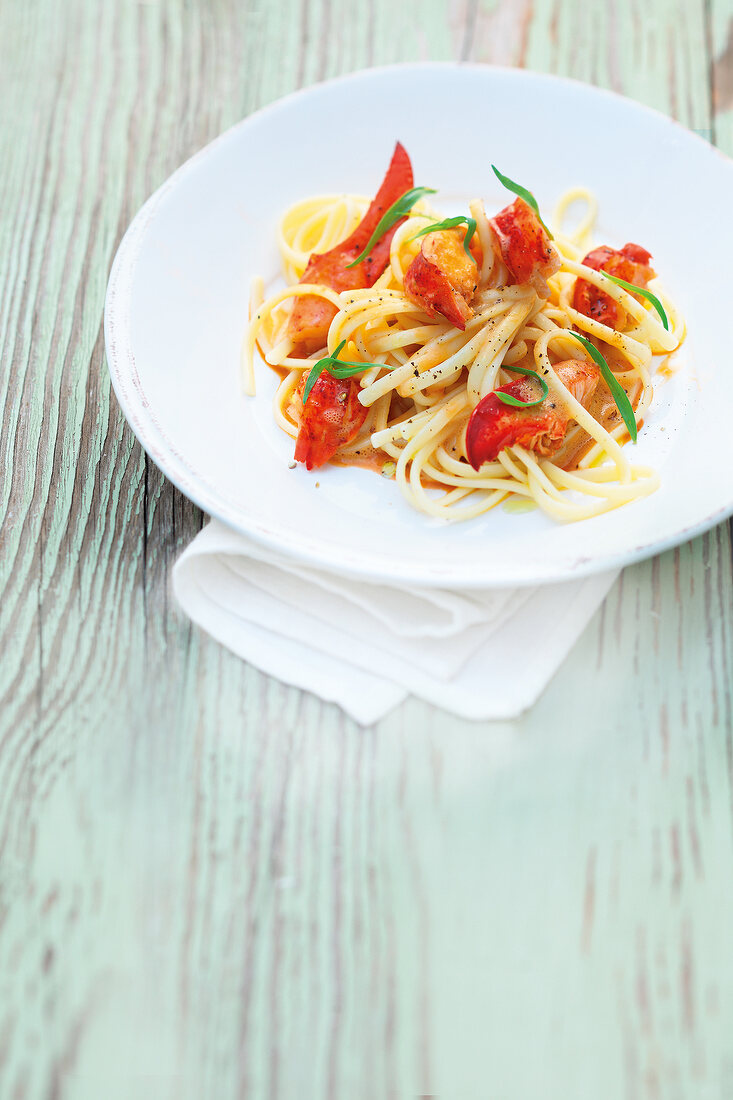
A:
[(330, 418), (311, 316), (525, 248), (493, 425), (630, 263)]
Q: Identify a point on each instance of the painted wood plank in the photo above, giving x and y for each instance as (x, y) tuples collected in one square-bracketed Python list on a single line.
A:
[(212, 885), (720, 45)]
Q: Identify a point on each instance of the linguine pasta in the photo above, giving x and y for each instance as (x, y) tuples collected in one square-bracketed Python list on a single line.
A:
[(423, 376)]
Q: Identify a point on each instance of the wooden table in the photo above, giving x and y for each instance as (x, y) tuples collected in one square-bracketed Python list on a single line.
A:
[(214, 886)]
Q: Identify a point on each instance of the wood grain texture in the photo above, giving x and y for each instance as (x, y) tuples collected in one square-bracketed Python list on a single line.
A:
[(214, 886)]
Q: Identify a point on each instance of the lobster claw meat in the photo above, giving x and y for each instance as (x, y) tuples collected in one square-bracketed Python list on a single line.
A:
[(630, 263), (493, 425), (442, 279), (312, 316), (330, 418), (524, 246)]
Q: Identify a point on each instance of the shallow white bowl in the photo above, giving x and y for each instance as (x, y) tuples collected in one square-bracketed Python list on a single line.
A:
[(177, 299)]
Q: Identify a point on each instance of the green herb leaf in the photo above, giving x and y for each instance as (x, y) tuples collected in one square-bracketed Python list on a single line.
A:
[(522, 193), (617, 391), (451, 223), (399, 209), (509, 399), (644, 293), (337, 368)]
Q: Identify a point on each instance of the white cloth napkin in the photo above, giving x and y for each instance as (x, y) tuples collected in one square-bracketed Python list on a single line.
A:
[(367, 646)]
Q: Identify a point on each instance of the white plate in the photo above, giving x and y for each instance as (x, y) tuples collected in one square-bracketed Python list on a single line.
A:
[(177, 308)]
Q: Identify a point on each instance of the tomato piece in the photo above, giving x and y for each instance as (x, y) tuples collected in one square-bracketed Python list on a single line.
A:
[(311, 317), (442, 279), (493, 425), (630, 263), (330, 418), (524, 246)]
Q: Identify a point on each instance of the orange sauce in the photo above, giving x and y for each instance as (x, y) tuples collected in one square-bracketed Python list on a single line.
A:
[(368, 457)]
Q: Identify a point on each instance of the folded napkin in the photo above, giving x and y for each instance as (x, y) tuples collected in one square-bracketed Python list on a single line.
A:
[(367, 646)]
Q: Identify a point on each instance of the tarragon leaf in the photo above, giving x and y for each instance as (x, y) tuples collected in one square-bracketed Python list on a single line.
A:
[(509, 399), (644, 293), (400, 208), (522, 193), (337, 368), (451, 223), (617, 391)]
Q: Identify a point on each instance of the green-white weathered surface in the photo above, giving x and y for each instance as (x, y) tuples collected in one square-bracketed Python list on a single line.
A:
[(213, 886)]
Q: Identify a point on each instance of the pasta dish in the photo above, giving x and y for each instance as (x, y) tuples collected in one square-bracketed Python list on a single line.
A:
[(471, 358)]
